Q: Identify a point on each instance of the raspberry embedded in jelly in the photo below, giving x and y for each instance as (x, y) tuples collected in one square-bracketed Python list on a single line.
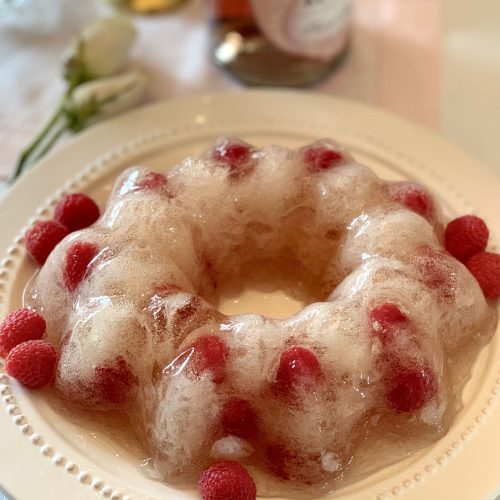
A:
[(188, 309), (235, 156), (78, 258), (318, 158), (414, 197), (146, 182), (409, 388), (298, 368), (114, 381), (209, 354), (386, 320), (232, 153), (293, 464), (238, 417), (435, 271), (280, 459), (152, 181)]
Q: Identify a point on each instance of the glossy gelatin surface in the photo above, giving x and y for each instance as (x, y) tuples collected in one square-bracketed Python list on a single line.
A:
[(367, 373)]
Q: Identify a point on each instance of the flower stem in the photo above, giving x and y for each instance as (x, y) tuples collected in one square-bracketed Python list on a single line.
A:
[(28, 151), (55, 135), (28, 154)]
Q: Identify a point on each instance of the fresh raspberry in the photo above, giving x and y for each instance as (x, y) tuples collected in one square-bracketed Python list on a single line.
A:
[(485, 267), (76, 211), (42, 238), (409, 388), (19, 326), (114, 381), (318, 158), (386, 320), (298, 367), (235, 156), (32, 363), (78, 258), (238, 418), (413, 196), (465, 237), (226, 480), (209, 353)]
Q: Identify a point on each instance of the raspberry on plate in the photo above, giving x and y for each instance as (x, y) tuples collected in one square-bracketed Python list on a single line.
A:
[(42, 238), (19, 326), (485, 267), (76, 211), (32, 363), (78, 258), (226, 480), (466, 236)]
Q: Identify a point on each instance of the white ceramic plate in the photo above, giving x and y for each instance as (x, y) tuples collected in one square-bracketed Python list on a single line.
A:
[(48, 453)]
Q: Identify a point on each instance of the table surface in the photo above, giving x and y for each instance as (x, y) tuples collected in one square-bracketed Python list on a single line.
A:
[(434, 62)]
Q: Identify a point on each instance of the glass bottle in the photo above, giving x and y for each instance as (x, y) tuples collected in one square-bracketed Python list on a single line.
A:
[(279, 42)]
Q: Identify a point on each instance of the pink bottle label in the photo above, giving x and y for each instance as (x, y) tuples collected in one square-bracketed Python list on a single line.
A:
[(309, 28)]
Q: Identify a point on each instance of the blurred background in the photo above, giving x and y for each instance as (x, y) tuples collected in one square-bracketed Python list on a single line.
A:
[(434, 62)]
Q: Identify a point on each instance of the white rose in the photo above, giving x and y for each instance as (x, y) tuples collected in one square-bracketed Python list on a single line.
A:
[(105, 97), (100, 50)]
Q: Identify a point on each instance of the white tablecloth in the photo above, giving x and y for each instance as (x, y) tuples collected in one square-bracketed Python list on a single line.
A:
[(435, 62)]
